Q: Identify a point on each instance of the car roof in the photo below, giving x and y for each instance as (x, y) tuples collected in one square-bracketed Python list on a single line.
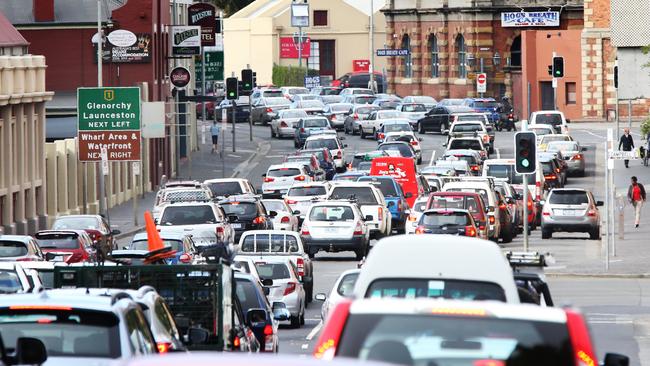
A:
[(270, 232), (61, 231), (188, 203), (286, 165), (75, 298), (467, 184), (441, 209), (323, 136), (458, 108), (448, 257), (21, 238), (350, 184), (499, 161)]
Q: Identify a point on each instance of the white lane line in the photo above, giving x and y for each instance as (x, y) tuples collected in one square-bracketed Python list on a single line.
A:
[(305, 346), (498, 153), (591, 133), (433, 156), (313, 332)]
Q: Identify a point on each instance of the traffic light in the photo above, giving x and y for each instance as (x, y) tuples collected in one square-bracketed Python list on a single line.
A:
[(550, 70), (247, 79), (525, 152), (254, 79), (558, 66), (232, 92), (616, 77)]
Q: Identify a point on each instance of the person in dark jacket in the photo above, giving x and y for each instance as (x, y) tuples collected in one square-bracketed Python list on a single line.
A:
[(627, 143), (636, 196)]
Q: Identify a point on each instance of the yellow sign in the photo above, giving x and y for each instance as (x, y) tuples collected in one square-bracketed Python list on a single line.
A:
[(109, 94)]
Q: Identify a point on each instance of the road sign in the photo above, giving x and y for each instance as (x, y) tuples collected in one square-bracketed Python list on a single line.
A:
[(622, 155), (481, 83), (180, 76), (312, 81), (213, 67), (393, 52)]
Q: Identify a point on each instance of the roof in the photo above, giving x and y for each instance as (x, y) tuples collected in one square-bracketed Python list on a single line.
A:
[(20, 12), (21, 238), (9, 35), (61, 297)]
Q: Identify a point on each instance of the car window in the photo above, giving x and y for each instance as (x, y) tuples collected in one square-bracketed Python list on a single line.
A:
[(420, 206), (283, 172), (470, 117), (436, 288), (331, 213), (276, 206), (81, 223), (293, 113), (188, 215), (311, 104), (363, 195), (563, 146), (397, 127), (241, 209), (330, 144), (386, 186), (346, 286), (315, 123), (541, 131), (271, 93), (272, 271), (277, 101), (143, 244), (462, 144), (404, 150), (220, 189), (166, 319), (57, 240), (482, 192), (138, 333), (307, 191), (10, 248), (506, 171), (468, 127), (548, 118), (364, 99), (9, 282), (365, 110), (484, 104), (568, 197), (279, 243), (247, 294), (439, 219), (413, 108), (388, 114)]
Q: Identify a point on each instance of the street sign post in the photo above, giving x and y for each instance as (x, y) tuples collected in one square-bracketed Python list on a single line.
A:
[(393, 52), (481, 83)]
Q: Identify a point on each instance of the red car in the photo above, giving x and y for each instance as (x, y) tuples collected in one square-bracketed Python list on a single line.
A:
[(73, 245), (469, 201), (532, 207), (95, 225)]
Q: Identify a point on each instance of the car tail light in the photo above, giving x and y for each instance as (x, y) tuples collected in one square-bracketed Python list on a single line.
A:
[(475, 168), (577, 157), (300, 178), (291, 202), (291, 287), (381, 135), (302, 130), (357, 229), (268, 179), (530, 205), (283, 124), (334, 116), (412, 218), (550, 177), (546, 211), (268, 330), (220, 232), (420, 230), (491, 219), (329, 338), (591, 213), (304, 230), (185, 258), (163, 347), (502, 206), (470, 231), (580, 339), (414, 143), (236, 342), (259, 220), (339, 154), (538, 192), (300, 265), (380, 213), (269, 110), (486, 138), (482, 227), (355, 116), (285, 220), (557, 170)]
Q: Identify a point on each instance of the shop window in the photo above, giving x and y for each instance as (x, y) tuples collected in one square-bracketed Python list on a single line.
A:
[(462, 57), (515, 52), (408, 65), (433, 50), (570, 93), (320, 18), (313, 62)]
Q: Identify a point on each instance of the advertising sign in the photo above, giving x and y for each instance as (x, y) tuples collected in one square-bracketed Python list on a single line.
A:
[(186, 40), (530, 19), (360, 65), (393, 52), (138, 52), (122, 38), (203, 15), (213, 67), (289, 49), (180, 77), (312, 81)]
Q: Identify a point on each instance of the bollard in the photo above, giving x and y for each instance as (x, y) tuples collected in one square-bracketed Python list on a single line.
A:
[(621, 203)]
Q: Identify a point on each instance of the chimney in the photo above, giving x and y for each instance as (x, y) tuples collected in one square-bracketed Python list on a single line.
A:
[(43, 10)]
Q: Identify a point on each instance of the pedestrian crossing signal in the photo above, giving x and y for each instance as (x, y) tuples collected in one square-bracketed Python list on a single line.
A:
[(232, 86)]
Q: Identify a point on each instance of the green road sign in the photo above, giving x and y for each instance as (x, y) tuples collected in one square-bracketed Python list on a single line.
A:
[(108, 109), (213, 69)]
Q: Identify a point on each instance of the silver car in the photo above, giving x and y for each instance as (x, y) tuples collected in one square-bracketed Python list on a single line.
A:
[(284, 124), (571, 210), (280, 276), (572, 153), (343, 289)]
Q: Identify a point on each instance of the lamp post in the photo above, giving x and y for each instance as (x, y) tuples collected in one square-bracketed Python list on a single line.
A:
[(496, 60)]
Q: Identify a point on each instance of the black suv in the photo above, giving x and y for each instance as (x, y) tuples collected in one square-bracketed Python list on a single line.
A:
[(360, 80), (247, 213), (440, 118)]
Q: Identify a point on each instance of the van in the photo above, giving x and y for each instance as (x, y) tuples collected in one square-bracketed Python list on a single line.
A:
[(505, 169), (404, 172)]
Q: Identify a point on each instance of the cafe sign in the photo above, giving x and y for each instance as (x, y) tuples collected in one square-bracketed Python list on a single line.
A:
[(530, 19)]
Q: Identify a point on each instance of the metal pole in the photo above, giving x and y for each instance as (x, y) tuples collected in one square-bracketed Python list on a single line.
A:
[(608, 223), (371, 47), (481, 61), (524, 127), (250, 109), (234, 107), (100, 74), (616, 108), (135, 195), (528, 100), (299, 46), (204, 92), (84, 187), (554, 84)]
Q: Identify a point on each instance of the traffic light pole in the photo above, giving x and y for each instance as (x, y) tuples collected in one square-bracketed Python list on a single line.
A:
[(524, 127), (250, 110), (554, 84)]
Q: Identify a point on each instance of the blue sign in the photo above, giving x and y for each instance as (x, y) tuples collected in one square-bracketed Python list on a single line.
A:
[(312, 81), (393, 52)]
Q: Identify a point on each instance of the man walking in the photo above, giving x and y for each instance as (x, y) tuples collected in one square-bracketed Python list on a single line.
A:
[(214, 131), (627, 143), (636, 196)]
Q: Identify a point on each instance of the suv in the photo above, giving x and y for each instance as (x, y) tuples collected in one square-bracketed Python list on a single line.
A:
[(472, 202), (14, 248), (375, 120), (489, 106), (371, 202), (246, 213), (553, 118), (359, 80), (333, 143), (571, 210), (472, 129), (471, 143), (300, 196), (440, 118), (205, 221), (394, 196), (309, 126), (482, 117), (490, 199), (280, 177)]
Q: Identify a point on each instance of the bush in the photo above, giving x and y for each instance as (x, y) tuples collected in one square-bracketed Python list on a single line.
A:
[(645, 127), (290, 76)]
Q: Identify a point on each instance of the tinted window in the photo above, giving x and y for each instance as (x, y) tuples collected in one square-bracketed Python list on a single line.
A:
[(346, 286), (272, 93), (480, 191), (548, 119), (221, 189), (468, 127), (457, 144), (547, 167), (307, 191), (414, 108), (484, 104), (177, 245), (284, 172), (12, 248), (436, 288), (272, 271), (365, 99), (274, 206), (386, 186), (76, 223), (186, 195), (241, 209), (397, 127), (329, 144), (363, 195), (60, 241), (541, 131), (365, 110), (316, 122), (247, 294), (504, 171), (331, 213), (340, 108), (440, 219), (470, 117), (404, 150), (568, 197), (188, 215), (9, 282)]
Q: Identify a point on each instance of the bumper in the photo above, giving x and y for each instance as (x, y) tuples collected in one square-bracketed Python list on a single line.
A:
[(575, 166), (338, 124), (335, 245), (274, 193), (569, 224), (569, 228), (286, 131)]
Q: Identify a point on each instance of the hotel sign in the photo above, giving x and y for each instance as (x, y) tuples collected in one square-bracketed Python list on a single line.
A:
[(530, 19)]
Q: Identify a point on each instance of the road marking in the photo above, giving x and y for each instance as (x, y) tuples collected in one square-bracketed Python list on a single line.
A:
[(433, 156), (305, 346), (498, 153), (234, 156), (313, 332), (591, 133)]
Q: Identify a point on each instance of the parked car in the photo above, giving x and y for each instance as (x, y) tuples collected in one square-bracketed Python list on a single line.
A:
[(371, 124), (72, 246), (571, 210), (290, 91), (16, 248)]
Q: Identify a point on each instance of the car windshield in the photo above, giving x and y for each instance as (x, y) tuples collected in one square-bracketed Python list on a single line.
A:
[(404, 149), (364, 166), (568, 197), (435, 288), (81, 223), (276, 206), (388, 114), (222, 189), (307, 191), (331, 213), (283, 172), (461, 144), (420, 206), (363, 195), (563, 146), (480, 191), (65, 332), (311, 104), (444, 218), (346, 286), (548, 118), (143, 244), (279, 243), (10, 248), (272, 271), (277, 101), (364, 99), (467, 127), (484, 104), (414, 108), (272, 93), (506, 171), (57, 240), (293, 113), (547, 167), (386, 186), (444, 340), (541, 131), (9, 282), (188, 215), (397, 127), (240, 209), (329, 144), (316, 123)]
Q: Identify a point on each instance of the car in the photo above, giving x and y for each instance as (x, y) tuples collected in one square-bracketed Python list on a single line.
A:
[(552, 172), (290, 91), (325, 160), (573, 155), (489, 106), (265, 109), (311, 163), (210, 358), (470, 201), (301, 195), (403, 170), (280, 177), (304, 97), (404, 149), (371, 124), (472, 157), (251, 296), (558, 157), (546, 139), (533, 216), (308, 126), (415, 213), (552, 118), (408, 137), (349, 176), (246, 213), (541, 130), (394, 197), (359, 79), (73, 246), (514, 203), (468, 143), (205, 221), (280, 276), (14, 278), (365, 157), (335, 226), (14, 248), (505, 169), (440, 118), (330, 99), (336, 114), (285, 218), (471, 129), (392, 125), (242, 110), (95, 225), (413, 112), (325, 90), (447, 221), (358, 99), (312, 107), (457, 332), (333, 143), (183, 244), (489, 198), (352, 123), (481, 117), (371, 202), (39, 273), (571, 210), (265, 92), (452, 102), (508, 230), (284, 124), (427, 101), (356, 91), (342, 289), (181, 194), (387, 104), (226, 187), (461, 168)]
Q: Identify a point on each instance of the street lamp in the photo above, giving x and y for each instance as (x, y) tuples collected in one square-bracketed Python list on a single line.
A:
[(496, 60), (469, 62)]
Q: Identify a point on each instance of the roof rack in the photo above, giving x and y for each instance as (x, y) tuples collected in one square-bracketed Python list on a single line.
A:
[(120, 296), (529, 259)]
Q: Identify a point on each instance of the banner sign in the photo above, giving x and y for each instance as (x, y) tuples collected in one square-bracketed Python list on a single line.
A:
[(530, 19), (186, 40), (289, 49), (360, 65), (204, 15), (138, 52), (393, 52)]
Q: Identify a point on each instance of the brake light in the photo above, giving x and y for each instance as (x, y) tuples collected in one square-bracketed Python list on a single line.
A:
[(268, 330), (291, 287), (550, 177), (220, 232), (482, 227), (259, 220), (291, 202), (475, 168), (304, 230), (26, 259), (268, 179), (576, 157), (40, 307), (580, 339), (591, 213), (269, 110), (491, 219), (302, 130), (412, 218), (357, 229), (355, 116), (283, 124), (285, 220), (329, 337), (502, 206), (300, 265), (236, 342), (381, 135), (414, 142), (530, 205), (420, 230), (300, 178), (557, 170), (334, 116), (185, 258), (470, 231), (380, 212), (163, 347)]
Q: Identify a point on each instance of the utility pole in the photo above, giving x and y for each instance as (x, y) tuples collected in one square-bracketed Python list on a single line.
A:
[(524, 127), (100, 56), (481, 62), (554, 85), (371, 48)]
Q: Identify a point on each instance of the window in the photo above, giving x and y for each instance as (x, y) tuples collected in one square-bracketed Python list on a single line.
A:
[(313, 62), (408, 65), (320, 18), (570, 91), (515, 52), (462, 61), (433, 49)]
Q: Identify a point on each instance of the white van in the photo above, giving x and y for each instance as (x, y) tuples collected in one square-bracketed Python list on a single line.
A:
[(552, 118), (505, 168), (439, 266)]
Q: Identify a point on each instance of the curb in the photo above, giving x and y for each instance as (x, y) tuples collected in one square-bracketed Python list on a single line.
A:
[(238, 170), (129, 233), (600, 275)]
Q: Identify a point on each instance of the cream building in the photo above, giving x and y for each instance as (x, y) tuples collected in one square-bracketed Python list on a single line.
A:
[(339, 33)]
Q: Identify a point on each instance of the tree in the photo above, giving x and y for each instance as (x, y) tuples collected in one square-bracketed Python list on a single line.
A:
[(230, 7)]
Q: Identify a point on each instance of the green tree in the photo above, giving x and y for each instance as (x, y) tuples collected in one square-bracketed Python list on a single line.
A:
[(230, 7)]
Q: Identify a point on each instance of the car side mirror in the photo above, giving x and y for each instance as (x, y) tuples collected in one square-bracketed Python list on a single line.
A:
[(197, 336), (273, 213), (408, 195), (583, 149), (320, 297), (280, 311), (444, 144), (264, 175), (615, 359), (256, 318), (296, 212), (30, 351), (115, 232), (599, 203), (542, 202), (126, 247), (368, 218), (267, 282)]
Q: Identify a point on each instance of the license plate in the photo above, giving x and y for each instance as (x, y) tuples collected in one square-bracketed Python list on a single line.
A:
[(237, 226), (569, 212), (331, 230)]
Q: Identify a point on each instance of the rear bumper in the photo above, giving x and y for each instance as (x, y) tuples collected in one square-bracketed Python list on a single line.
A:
[(569, 228), (286, 131), (335, 245)]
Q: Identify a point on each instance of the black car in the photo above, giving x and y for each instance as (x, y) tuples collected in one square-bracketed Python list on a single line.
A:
[(242, 110), (324, 158), (253, 301), (360, 80), (440, 118), (247, 213)]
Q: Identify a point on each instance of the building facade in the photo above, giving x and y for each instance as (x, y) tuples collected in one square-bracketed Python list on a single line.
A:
[(22, 134)]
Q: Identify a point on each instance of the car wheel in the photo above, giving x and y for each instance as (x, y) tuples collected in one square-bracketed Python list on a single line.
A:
[(374, 134), (302, 317), (443, 128), (421, 129), (295, 321), (345, 129), (363, 135), (546, 233), (594, 234), (360, 253), (309, 292)]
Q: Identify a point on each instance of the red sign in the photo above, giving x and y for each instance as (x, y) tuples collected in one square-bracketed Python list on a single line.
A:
[(288, 49), (400, 168), (120, 145), (481, 78), (360, 65)]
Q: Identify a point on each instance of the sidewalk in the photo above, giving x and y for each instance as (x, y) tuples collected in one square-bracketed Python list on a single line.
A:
[(202, 165)]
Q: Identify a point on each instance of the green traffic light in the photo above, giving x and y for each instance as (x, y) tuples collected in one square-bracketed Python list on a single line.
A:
[(525, 163)]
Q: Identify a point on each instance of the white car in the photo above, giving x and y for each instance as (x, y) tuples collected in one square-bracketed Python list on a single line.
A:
[(406, 136), (356, 91), (555, 119), (471, 129), (413, 218), (14, 278), (371, 202), (427, 101), (280, 276), (413, 111), (289, 91), (302, 195), (202, 220), (343, 289), (371, 124), (505, 169), (332, 143), (471, 143), (284, 125), (541, 131), (225, 187), (285, 219), (489, 198), (181, 194), (543, 142), (280, 177), (335, 226)]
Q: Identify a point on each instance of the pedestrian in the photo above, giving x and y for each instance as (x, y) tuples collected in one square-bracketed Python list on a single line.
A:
[(214, 131), (627, 143), (636, 196)]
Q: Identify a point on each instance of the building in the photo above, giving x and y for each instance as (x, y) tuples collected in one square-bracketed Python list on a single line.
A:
[(450, 41), (22, 134), (261, 35)]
